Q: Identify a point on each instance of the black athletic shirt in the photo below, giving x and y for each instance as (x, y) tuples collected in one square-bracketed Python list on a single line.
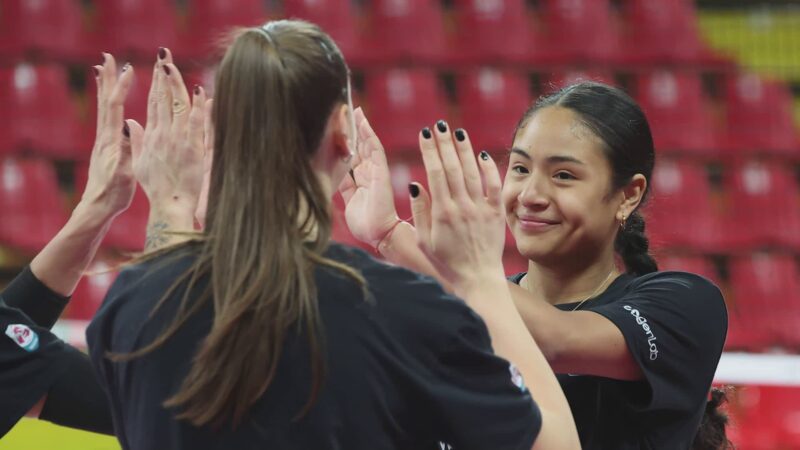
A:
[(407, 368), (674, 324)]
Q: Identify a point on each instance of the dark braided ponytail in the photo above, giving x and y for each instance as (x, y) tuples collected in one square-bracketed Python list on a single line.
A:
[(616, 119)]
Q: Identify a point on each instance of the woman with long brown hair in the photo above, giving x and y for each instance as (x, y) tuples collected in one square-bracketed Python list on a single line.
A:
[(258, 332)]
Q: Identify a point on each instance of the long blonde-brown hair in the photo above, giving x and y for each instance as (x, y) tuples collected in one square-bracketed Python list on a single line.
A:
[(267, 223)]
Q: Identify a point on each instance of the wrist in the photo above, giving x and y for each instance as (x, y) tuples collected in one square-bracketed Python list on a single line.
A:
[(483, 282), (385, 242)]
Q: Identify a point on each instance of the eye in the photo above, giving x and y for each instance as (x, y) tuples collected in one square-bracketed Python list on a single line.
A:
[(520, 169), (562, 175)]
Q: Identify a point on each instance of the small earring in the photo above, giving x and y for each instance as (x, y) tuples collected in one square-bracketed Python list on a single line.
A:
[(622, 223), (348, 158)]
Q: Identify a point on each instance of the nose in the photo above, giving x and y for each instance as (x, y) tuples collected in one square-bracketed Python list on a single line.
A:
[(535, 194)]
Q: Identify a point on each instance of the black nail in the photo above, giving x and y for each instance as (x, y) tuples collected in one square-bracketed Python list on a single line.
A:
[(426, 133), (413, 189), (196, 90), (126, 67), (442, 126), (125, 130), (460, 136), (485, 155), (162, 53), (96, 72), (166, 69)]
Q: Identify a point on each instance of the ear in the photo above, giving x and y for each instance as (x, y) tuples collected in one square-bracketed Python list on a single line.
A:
[(632, 194), (341, 128)]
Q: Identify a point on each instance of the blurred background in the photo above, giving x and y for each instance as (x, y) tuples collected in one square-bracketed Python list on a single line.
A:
[(718, 79)]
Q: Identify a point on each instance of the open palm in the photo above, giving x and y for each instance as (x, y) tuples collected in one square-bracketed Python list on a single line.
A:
[(369, 201)]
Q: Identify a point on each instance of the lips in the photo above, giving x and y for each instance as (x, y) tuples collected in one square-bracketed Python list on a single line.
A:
[(533, 223)]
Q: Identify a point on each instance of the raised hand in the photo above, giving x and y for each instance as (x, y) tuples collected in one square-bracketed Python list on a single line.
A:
[(168, 156), (369, 201), (460, 225)]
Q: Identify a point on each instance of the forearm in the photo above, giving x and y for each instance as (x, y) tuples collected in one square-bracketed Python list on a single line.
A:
[(64, 259), (168, 224), (491, 299), (401, 248), (545, 322)]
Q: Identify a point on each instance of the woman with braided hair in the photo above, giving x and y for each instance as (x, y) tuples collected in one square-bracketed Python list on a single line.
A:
[(635, 350)]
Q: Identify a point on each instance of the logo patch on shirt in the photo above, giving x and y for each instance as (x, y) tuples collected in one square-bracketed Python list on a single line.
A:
[(651, 338), (23, 336), (516, 378)]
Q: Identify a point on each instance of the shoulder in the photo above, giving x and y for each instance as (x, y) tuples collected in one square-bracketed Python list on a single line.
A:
[(684, 289)]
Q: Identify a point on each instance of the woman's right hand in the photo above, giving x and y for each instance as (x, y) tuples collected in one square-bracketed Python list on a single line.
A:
[(369, 200)]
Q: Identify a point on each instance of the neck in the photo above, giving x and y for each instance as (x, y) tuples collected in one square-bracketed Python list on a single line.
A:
[(560, 284)]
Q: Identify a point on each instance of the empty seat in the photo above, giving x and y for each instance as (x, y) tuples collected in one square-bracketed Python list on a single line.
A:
[(51, 28), (576, 31), (663, 31), (759, 115), (678, 111), (401, 103), (680, 213), (209, 20), (698, 265), (492, 102), (32, 206), (407, 30), (91, 290), (491, 31), (136, 28), (337, 17), (763, 206), (37, 113)]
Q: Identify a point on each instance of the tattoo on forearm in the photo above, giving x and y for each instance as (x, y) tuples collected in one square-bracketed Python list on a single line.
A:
[(156, 236)]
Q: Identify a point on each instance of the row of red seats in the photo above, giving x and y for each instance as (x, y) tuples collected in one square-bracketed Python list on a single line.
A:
[(758, 113), (765, 417), (486, 30)]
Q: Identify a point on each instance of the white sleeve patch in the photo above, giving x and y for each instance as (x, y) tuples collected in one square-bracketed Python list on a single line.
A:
[(23, 336)]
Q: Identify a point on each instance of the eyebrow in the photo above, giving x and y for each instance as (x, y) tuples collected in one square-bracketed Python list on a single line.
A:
[(550, 159)]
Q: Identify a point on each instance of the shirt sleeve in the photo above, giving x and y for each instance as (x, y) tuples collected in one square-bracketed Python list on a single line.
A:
[(31, 359), (674, 325), (479, 399), (37, 301)]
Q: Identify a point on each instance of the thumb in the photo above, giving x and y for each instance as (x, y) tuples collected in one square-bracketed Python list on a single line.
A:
[(421, 211), (133, 144)]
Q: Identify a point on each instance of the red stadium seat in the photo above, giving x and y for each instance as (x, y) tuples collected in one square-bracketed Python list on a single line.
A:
[(401, 103), (136, 28), (91, 290), (407, 30), (210, 20), (759, 115), (492, 103), (678, 112), (693, 264), (577, 31), (128, 230), (681, 214), (37, 112), (766, 294), (763, 206), (51, 28), (33, 211), (337, 17), (663, 31), (491, 31)]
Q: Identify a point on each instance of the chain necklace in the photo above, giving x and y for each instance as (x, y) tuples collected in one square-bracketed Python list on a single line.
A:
[(592, 295)]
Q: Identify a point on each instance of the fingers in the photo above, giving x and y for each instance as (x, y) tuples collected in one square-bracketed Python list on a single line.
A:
[(421, 211), (208, 134), (491, 175), (437, 181), (116, 101), (469, 165), (161, 99), (180, 99), (450, 162), (136, 135), (195, 120)]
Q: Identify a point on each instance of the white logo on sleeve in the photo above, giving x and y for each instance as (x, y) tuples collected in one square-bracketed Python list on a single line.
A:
[(23, 336), (516, 377), (651, 338)]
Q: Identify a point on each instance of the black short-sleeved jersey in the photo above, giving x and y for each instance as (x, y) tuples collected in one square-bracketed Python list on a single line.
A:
[(406, 368), (674, 324)]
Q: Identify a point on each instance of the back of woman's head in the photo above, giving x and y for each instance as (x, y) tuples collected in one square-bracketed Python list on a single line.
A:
[(267, 222), (622, 127)]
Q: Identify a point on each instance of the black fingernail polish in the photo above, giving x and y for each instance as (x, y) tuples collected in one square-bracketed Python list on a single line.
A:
[(426, 133), (166, 70), (126, 67), (162, 53), (96, 72), (413, 189), (485, 155), (442, 126), (196, 90), (460, 136), (125, 130)]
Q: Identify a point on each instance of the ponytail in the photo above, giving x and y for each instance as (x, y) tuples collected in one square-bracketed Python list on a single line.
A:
[(711, 434), (633, 246)]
